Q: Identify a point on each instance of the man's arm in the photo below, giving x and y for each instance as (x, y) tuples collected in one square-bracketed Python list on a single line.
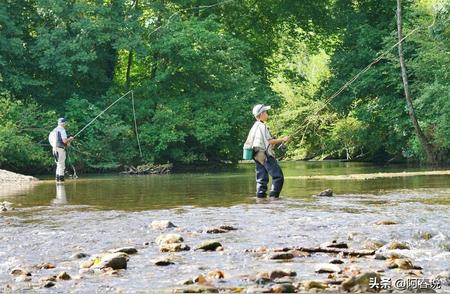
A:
[(278, 141)]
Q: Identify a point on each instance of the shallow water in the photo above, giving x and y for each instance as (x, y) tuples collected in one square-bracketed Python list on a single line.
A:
[(94, 214)]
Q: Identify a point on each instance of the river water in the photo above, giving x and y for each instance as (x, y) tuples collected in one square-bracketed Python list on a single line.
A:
[(96, 213)]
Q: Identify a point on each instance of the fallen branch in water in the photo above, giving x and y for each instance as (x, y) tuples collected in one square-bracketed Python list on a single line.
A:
[(343, 251), (148, 169)]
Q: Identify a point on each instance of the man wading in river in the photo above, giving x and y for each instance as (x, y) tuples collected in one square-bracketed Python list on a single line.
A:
[(59, 140), (260, 139)]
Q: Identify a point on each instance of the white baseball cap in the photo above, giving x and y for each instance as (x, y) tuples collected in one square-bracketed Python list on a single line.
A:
[(259, 108)]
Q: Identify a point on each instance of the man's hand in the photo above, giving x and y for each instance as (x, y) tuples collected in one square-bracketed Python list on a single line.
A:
[(285, 139)]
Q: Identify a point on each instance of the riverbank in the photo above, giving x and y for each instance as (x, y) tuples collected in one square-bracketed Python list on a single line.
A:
[(7, 177)]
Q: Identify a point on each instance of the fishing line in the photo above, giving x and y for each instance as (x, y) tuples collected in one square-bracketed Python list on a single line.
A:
[(102, 112), (353, 79)]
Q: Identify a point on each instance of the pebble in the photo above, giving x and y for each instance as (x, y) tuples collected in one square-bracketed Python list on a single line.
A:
[(112, 260), (336, 261), (314, 285), (283, 288), (20, 272), (360, 282), (334, 244), (162, 225)]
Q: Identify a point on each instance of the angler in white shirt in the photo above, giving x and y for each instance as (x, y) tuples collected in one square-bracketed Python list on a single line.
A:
[(58, 140), (260, 139)]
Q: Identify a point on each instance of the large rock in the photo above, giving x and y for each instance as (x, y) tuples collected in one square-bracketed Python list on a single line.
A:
[(361, 282), (162, 225), (169, 239), (112, 260), (210, 245)]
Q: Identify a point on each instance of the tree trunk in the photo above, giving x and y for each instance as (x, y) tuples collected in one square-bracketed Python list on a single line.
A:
[(130, 61), (128, 78), (431, 158)]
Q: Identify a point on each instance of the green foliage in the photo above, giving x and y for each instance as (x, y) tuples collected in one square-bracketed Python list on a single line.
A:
[(23, 135), (197, 68)]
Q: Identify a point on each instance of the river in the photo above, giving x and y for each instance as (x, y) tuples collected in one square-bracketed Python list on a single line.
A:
[(96, 213)]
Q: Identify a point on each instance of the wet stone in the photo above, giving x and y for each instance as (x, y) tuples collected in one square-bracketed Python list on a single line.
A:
[(276, 274), (228, 228), (79, 255), (402, 263), (372, 244), (386, 222), (426, 236), (169, 239), (163, 262), (327, 268), (282, 256), (162, 225), (336, 261), (216, 231), (46, 266), (63, 276), (210, 245), (23, 278), (127, 250), (314, 285), (217, 274), (360, 282), (112, 260), (174, 247), (86, 264), (398, 245), (334, 244), (326, 193), (48, 284), (283, 288), (196, 289), (20, 272)]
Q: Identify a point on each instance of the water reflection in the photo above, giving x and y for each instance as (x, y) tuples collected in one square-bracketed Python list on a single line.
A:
[(61, 198)]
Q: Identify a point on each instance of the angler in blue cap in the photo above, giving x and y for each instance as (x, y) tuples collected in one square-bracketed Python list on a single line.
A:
[(59, 140)]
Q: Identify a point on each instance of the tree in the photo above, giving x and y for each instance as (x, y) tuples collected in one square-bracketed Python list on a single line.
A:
[(431, 157)]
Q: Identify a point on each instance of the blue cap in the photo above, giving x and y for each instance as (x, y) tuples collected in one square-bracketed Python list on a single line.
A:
[(61, 120)]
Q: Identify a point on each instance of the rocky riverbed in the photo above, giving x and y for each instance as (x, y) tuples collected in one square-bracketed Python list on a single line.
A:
[(343, 243)]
